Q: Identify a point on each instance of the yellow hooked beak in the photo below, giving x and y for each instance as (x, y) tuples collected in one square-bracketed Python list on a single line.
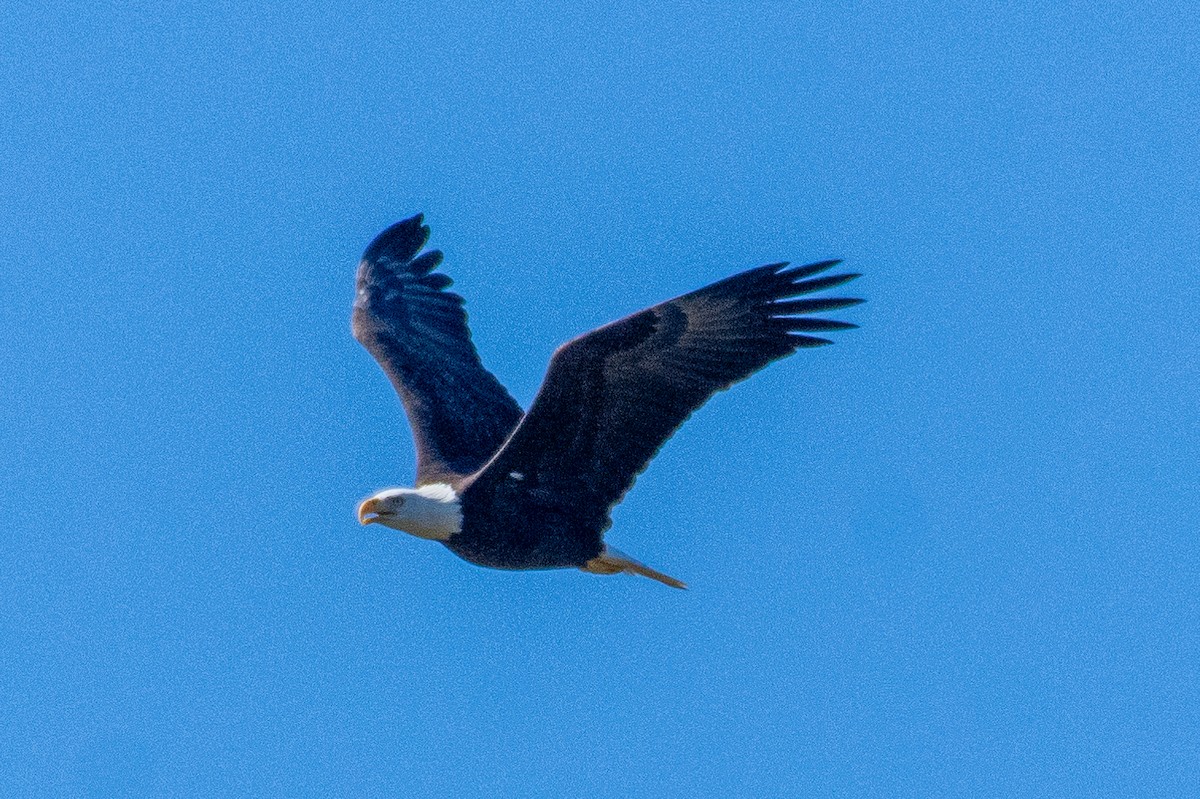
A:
[(368, 510)]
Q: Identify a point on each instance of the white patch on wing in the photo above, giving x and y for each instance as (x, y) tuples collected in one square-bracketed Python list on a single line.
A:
[(516, 475)]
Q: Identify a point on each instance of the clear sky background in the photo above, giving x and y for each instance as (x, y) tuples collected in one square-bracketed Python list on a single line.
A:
[(956, 554)]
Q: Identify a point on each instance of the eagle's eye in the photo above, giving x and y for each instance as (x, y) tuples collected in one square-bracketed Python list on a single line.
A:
[(398, 501)]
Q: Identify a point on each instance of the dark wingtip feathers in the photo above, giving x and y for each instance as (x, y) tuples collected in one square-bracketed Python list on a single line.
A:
[(399, 242), (811, 324), (798, 340), (792, 315), (425, 263), (801, 307), (808, 270), (396, 253), (822, 283)]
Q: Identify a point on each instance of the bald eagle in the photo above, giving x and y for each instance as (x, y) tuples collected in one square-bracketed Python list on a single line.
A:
[(513, 490)]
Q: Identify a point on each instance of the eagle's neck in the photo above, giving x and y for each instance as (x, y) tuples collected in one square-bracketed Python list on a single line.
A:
[(433, 511)]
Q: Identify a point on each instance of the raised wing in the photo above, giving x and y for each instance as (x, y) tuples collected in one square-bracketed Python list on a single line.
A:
[(417, 331), (613, 396)]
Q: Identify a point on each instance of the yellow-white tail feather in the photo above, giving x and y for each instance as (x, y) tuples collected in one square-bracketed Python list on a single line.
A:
[(614, 561)]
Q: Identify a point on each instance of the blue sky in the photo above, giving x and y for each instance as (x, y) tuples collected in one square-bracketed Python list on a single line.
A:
[(953, 555)]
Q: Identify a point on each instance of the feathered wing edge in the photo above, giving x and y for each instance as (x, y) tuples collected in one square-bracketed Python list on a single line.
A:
[(612, 397), (417, 331)]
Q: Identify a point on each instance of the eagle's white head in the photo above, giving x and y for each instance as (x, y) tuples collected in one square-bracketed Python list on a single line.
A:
[(431, 511)]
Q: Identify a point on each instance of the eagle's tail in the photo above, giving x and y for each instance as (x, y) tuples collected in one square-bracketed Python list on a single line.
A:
[(614, 561)]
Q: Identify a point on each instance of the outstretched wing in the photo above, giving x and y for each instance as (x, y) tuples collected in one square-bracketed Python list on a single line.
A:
[(613, 396), (417, 331)]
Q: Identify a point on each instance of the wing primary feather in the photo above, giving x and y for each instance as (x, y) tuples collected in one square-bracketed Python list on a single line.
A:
[(798, 307), (425, 262), (821, 283), (812, 325), (798, 340), (399, 242), (809, 269), (437, 281)]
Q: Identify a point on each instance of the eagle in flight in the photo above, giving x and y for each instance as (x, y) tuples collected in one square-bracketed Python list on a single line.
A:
[(510, 489)]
